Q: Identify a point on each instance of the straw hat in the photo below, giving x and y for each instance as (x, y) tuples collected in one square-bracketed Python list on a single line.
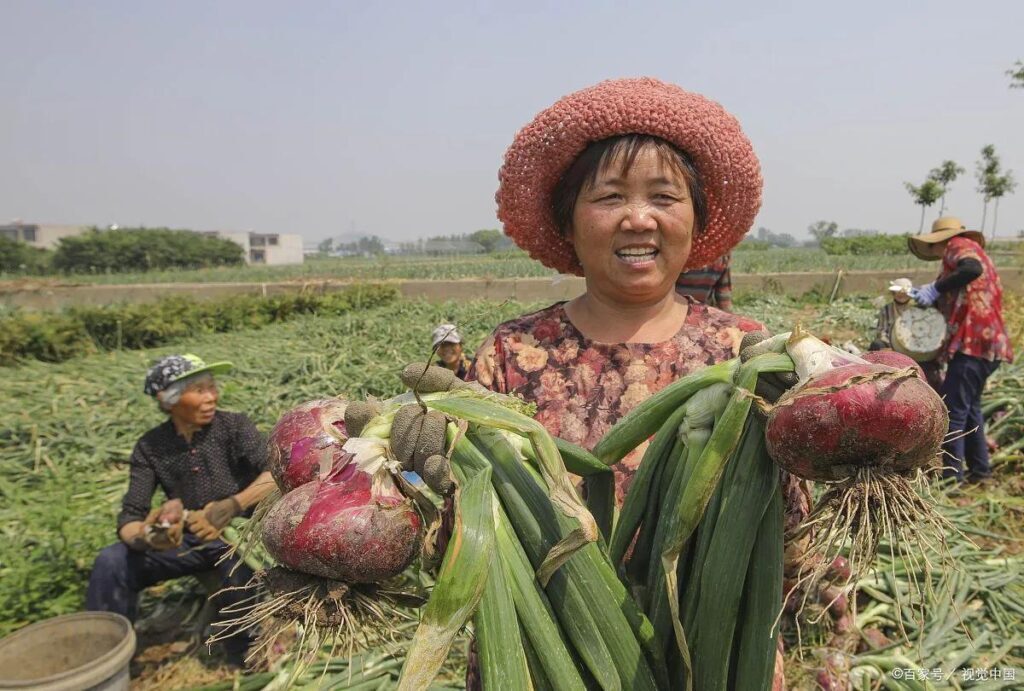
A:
[(943, 229), (544, 149)]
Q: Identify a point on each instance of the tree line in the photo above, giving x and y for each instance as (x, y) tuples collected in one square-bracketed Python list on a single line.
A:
[(122, 249), (487, 240), (827, 236)]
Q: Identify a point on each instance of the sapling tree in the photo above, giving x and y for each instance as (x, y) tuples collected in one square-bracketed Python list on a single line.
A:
[(1016, 75), (998, 186), (993, 183), (925, 194), (945, 175)]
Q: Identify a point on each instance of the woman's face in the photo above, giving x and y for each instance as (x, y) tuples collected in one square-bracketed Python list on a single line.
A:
[(198, 403), (450, 353), (632, 232)]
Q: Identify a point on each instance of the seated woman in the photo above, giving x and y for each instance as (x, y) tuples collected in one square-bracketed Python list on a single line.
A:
[(211, 465), (900, 290), (890, 312), (447, 341), (627, 184)]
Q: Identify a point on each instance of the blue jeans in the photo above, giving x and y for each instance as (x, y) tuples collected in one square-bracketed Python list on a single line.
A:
[(961, 390), (121, 573)]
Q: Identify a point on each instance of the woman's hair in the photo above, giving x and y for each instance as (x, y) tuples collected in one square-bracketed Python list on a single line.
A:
[(169, 396), (625, 148)]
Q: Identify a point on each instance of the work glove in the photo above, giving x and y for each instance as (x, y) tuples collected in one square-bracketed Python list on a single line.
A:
[(357, 414), (436, 473), (432, 379), (208, 523), (925, 295), (417, 435), (160, 539), (770, 385), (164, 526)]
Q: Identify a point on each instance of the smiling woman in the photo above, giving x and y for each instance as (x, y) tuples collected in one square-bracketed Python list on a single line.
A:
[(627, 183)]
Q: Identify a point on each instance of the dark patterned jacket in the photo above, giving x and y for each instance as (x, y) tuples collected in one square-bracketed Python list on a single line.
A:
[(223, 458)]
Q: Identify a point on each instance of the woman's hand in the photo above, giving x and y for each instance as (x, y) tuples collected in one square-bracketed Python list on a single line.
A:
[(925, 295), (208, 523)]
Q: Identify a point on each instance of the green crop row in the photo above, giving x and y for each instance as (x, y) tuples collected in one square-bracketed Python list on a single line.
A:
[(866, 244), (77, 331)]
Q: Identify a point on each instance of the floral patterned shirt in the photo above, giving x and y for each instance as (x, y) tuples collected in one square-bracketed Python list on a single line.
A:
[(974, 314), (582, 387)]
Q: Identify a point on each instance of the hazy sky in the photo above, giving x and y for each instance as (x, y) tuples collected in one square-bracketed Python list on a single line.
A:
[(391, 118)]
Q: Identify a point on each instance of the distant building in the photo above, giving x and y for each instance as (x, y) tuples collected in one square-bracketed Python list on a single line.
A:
[(271, 249), (43, 236)]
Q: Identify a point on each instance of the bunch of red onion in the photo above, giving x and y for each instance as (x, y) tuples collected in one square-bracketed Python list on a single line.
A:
[(342, 515), (870, 431)]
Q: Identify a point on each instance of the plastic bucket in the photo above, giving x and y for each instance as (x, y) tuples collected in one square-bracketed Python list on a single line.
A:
[(88, 650)]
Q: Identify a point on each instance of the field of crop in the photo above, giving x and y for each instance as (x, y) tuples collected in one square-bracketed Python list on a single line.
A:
[(67, 429), (513, 264)]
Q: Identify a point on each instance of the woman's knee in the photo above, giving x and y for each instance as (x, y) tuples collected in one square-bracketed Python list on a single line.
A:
[(112, 559)]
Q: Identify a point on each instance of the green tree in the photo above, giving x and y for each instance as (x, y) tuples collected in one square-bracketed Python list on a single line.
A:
[(996, 187), (20, 258), (986, 172), (371, 245), (488, 238), (945, 175), (925, 194), (143, 249), (775, 239), (822, 230), (325, 246), (1016, 74)]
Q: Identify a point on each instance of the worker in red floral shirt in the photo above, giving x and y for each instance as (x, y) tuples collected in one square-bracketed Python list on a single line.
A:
[(969, 295)]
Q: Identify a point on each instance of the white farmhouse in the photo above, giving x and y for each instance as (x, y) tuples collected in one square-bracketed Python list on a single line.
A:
[(265, 248), (40, 235)]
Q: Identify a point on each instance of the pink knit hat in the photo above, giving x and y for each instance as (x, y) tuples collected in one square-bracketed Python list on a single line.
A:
[(543, 150)]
